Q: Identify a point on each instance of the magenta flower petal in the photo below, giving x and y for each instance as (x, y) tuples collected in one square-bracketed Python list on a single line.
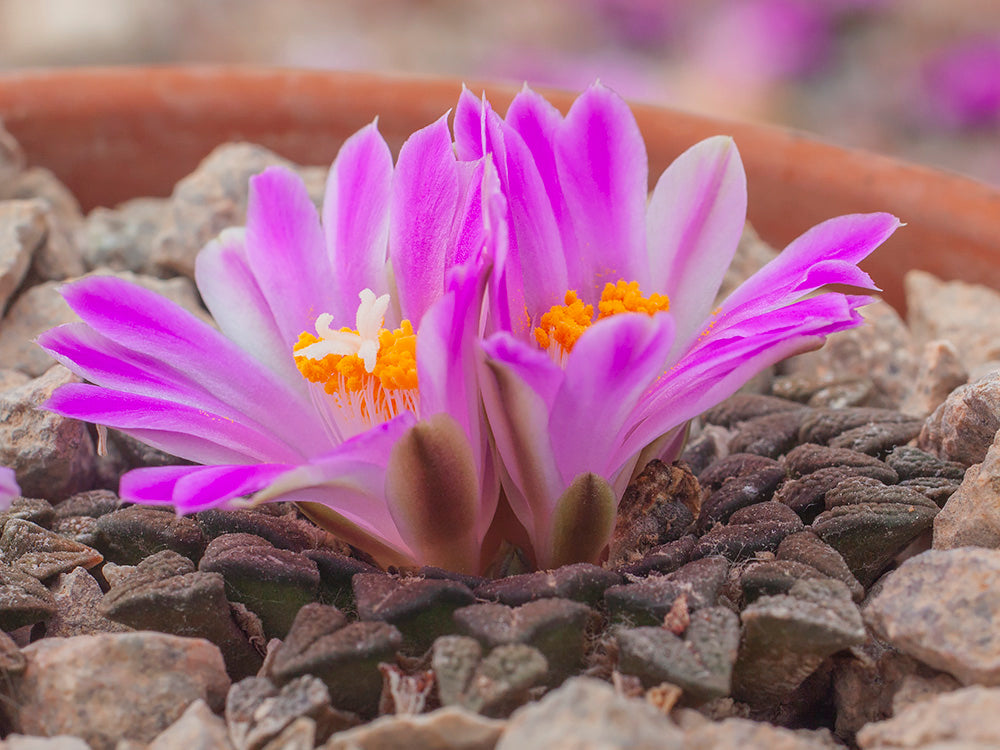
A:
[(194, 488), (606, 373), (356, 220), (233, 296), (694, 222), (155, 328), (184, 431), (426, 189), (601, 160), (287, 251), (8, 487), (826, 254)]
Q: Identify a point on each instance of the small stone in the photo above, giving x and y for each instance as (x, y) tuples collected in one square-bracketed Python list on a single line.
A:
[(878, 438), (42, 553), (198, 728), (299, 735), (770, 435), (786, 637), (283, 531), (700, 663), (12, 661), (208, 200), (122, 238), (257, 713), (740, 492), (869, 523), (954, 311), (742, 734), (22, 230), (966, 718), (131, 534), (74, 685), (648, 601), (31, 509), (810, 457), (273, 583), (756, 528), (454, 659), (53, 456), (745, 406), (581, 582), (910, 463), (971, 517), (421, 609), (449, 728), (941, 607), (941, 371), (345, 657), (23, 599), (186, 604), (962, 428), (588, 713), (657, 507), (12, 160), (77, 597), (59, 742), (880, 351), (844, 393), (556, 627)]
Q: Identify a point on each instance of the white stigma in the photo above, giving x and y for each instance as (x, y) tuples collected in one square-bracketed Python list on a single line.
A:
[(363, 342)]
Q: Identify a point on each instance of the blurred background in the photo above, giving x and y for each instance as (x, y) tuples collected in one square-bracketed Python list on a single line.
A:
[(917, 79)]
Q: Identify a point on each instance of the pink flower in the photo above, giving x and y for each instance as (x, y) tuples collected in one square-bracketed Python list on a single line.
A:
[(378, 431), (604, 338), (8, 487)]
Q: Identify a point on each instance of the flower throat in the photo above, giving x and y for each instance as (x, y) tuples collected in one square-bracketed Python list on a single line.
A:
[(370, 372)]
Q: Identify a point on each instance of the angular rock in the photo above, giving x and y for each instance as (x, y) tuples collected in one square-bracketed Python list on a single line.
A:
[(12, 158), (743, 734), (186, 604), (22, 230), (74, 685), (700, 662), (648, 601), (273, 583), (122, 238), (345, 657), (963, 427), (581, 582), (198, 728), (23, 599), (59, 742), (844, 393), (966, 718), (208, 200), (421, 609), (786, 637), (771, 435), (954, 311), (940, 372), (131, 534), (658, 507), (869, 523), (756, 528), (739, 492), (588, 713), (557, 628), (41, 553), (77, 596), (971, 517), (449, 728), (52, 455), (746, 406), (941, 607)]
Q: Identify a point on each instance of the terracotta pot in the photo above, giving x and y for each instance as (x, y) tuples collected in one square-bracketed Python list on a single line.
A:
[(112, 134)]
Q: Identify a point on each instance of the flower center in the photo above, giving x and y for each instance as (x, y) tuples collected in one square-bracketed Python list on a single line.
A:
[(559, 328), (370, 372)]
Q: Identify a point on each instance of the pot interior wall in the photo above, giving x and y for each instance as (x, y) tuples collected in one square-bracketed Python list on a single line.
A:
[(114, 134)]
